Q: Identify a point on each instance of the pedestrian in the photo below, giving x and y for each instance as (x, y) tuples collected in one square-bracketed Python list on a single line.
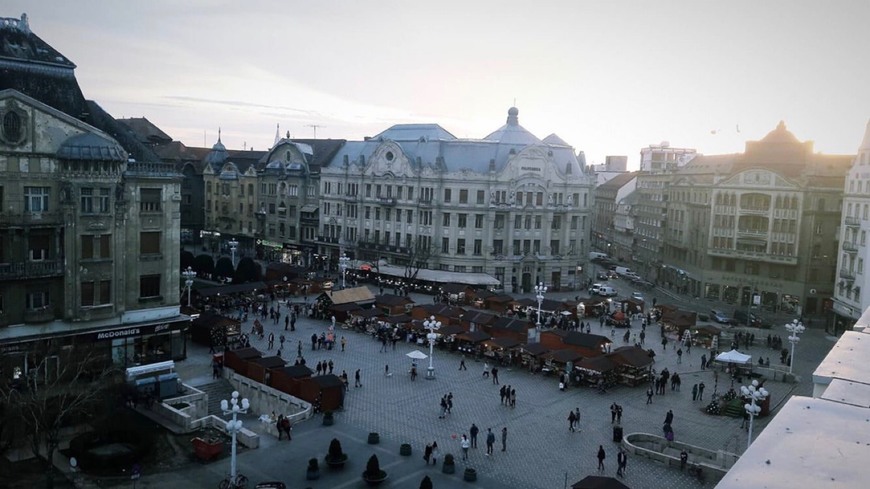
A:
[(356, 379), (286, 322), (649, 395), (684, 457), (621, 462), (703, 361), (281, 340), (669, 417), (695, 392), (601, 457), (619, 414), (577, 419), (495, 375), (279, 425), (504, 439), (474, 430), (271, 340), (701, 391), (343, 343), (443, 408), (490, 441), (434, 453), (462, 363), (680, 355), (449, 402), (287, 427), (386, 370), (465, 444), (427, 453), (501, 393), (664, 343), (744, 423), (331, 365), (318, 368), (485, 369), (613, 413), (299, 349), (513, 398), (571, 420)]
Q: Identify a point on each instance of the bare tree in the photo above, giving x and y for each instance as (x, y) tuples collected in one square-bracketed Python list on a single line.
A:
[(420, 254), (63, 388)]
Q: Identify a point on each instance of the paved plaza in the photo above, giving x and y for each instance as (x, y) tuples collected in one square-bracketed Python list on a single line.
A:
[(540, 453)]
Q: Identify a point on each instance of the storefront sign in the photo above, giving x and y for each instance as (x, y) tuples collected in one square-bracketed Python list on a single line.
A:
[(133, 331), (270, 244)]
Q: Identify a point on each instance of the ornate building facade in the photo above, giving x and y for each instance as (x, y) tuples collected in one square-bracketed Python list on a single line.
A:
[(510, 205)]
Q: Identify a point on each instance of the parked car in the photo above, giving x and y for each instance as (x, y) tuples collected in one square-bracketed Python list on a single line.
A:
[(603, 276), (720, 316), (750, 319), (637, 296), (607, 291), (593, 289)]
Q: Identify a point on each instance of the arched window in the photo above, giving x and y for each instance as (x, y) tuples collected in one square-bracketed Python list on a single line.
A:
[(12, 127)]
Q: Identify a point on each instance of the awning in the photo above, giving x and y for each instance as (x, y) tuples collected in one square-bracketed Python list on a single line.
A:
[(440, 276), (308, 208)]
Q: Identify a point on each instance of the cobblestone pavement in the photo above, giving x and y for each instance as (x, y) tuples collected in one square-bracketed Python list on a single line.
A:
[(541, 452)]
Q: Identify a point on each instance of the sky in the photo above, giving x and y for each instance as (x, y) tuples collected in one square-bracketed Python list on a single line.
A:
[(608, 77)]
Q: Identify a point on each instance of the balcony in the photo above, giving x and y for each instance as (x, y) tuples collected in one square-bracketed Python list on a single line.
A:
[(753, 256), (390, 201), (425, 202), (31, 269), (351, 198), (849, 247), (754, 211), (852, 221), (327, 239), (39, 315), (847, 274), (19, 219)]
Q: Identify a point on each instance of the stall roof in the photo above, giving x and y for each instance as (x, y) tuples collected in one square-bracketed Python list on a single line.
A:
[(503, 298), (210, 320), (296, 371), (359, 295), (231, 289), (330, 380), (451, 329), (576, 338), (442, 310), (479, 317), (564, 356), (270, 362), (399, 319), (247, 353), (440, 276), (734, 356), (512, 324), (535, 349), (600, 364), (348, 307), (393, 300), (368, 313), (453, 288), (631, 356), (473, 336), (501, 342)]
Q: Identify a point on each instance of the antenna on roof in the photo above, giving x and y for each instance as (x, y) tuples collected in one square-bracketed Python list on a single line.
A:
[(315, 126)]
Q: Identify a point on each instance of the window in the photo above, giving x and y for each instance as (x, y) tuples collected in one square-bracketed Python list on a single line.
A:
[(149, 243), (557, 223), (12, 127), (478, 221), (463, 221), (103, 201), (463, 196), (36, 199), (87, 246), (447, 195), (87, 294), (149, 286), (445, 219), (477, 269), (497, 246), (149, 200), (38, 245), (87, 201), (481, 195), (537, 222), (460, 246), (554, 247), (478, 247), (37, 299), (518, 221), (445, 245)]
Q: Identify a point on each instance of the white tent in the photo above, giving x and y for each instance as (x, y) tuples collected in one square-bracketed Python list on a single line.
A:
[(417, 355), (734, 356)]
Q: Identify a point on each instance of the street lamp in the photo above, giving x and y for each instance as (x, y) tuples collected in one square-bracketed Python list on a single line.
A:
[(342, 265), (755, 394), (188, 275), (432, 325), (540, 290), (795, 328), (233, 427), (234, 245)]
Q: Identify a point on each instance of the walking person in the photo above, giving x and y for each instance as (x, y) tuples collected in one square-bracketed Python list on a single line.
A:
[(495, 375), (601, 457), (287, 427), (621, 462), (701, 391), (669, 417), (343, 343), (464, 444), (427, 453), (649, 395), (462, 363), (619, 414), (613, 413), (434, 453), (504, 439), (271, 341), (680, 356), (485, 369), (474, 430), (490, 441), (571, 420), (356, 379)]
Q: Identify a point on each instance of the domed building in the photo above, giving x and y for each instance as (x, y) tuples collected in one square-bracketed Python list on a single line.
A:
[(508, 210)]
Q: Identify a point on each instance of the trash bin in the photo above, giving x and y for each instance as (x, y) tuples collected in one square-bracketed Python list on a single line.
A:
[(617, 434)]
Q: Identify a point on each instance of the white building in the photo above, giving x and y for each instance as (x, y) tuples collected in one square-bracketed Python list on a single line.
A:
[(510, 205), (853, 252)]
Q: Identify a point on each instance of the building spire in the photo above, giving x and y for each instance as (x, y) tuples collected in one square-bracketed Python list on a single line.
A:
[(277, 134), (219, 134)]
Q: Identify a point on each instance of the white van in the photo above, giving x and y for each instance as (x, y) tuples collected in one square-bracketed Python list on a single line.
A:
[(623, 271), (606, 291), (594, 255)]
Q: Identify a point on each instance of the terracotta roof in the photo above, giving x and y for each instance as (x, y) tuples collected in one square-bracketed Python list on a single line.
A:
[(393, 300), (631, 356)]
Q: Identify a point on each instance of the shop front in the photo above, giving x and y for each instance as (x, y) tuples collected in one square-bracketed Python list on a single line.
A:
[(143, 344)]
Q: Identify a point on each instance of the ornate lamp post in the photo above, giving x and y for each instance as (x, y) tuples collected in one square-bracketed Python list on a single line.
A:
[(432, 325), (795, 328), (755, 394), (234, 425), (540, 290), (234, 245), (188, 275), (342, 265)]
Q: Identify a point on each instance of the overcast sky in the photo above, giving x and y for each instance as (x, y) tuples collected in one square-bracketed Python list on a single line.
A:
[(609, 77)]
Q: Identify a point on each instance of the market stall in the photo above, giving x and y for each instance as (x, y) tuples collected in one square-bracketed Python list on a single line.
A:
[(595, 371), (632, 365)]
